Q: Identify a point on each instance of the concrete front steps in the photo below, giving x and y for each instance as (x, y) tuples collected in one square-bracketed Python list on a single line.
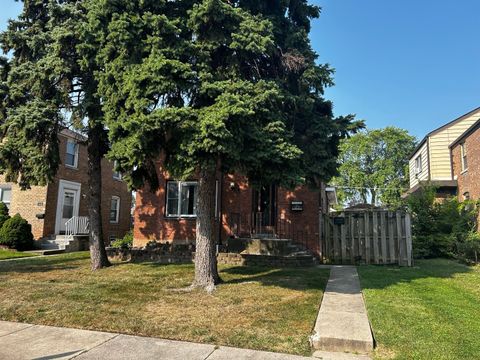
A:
[(342, 324), (62, 243)]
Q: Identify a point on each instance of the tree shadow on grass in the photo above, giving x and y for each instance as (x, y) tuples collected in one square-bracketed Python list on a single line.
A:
[(311, 278), (383, 276), (43, 264)]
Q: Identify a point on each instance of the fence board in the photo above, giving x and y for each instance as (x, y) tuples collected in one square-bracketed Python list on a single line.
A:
[(383, 228), (375, 237), (408, 238), (372, 237)]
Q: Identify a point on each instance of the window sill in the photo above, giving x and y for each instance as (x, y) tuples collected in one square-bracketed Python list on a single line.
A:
[(71, 167), (114, 222), (464, 171), (181, 217)]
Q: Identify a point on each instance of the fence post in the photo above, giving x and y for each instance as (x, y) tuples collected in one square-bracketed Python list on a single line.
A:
[(400, 238), (352, 236), (391, 235), (408, 238)]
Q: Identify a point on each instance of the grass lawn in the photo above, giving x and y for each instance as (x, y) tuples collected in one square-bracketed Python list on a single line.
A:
[(258, 308), (430, 311), (8, 254)]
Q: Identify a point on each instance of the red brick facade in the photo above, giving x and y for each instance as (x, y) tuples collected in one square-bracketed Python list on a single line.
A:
[(42, 200), (468, 179), (235, 214)]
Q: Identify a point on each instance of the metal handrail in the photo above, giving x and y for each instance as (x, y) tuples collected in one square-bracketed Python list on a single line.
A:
[(77, 225)]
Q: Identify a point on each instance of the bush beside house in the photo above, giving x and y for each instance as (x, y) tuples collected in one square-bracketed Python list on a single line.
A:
[(444, 229), (15, 232)]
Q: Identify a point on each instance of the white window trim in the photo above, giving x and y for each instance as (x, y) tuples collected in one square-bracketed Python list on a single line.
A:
[(179, 204), (119, 177), (75, 165), (463, 155), (2, 189), (418, 164), (117, 218)]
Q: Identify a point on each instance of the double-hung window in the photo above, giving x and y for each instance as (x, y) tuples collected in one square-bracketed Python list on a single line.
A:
[(71, 157), (181, 199), (114, 209), (463, 151), (6, 195), (117, 175), (418, 165)]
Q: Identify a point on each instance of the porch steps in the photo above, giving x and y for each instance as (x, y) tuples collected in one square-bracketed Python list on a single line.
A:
[(62, 243)]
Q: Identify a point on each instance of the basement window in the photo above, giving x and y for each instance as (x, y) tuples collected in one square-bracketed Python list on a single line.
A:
[(181, 199)]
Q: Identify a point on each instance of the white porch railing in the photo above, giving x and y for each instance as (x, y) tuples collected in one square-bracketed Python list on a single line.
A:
[(77, 225)]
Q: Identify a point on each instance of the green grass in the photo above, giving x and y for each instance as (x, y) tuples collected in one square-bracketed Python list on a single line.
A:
[(9, 254), (258, 308), (430, 311)]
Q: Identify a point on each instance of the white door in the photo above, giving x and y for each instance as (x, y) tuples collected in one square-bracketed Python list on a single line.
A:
[(68, 203), (68, 207)]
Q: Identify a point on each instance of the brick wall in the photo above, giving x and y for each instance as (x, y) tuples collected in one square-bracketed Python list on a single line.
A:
[(44, 199), (469, 180), (28, 204), (235, 211)]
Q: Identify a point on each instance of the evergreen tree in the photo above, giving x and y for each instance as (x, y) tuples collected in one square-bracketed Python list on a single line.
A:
[(214, 85), (50, 84)]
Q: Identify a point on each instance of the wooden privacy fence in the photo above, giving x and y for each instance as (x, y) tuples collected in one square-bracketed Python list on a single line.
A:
[(370, 237)]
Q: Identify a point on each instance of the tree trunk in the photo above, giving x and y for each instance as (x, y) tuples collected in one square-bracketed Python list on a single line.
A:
[(98, 254), (206, 273)]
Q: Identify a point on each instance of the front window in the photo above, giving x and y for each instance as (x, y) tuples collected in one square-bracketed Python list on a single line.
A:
[(6, 195), (418, 164), (181, 198), (71, 158), (114, 209), (463, 150)]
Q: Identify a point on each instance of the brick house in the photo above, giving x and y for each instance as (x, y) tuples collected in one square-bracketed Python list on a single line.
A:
[(465, 154), (431, 161), (168, 215), (50, 208)]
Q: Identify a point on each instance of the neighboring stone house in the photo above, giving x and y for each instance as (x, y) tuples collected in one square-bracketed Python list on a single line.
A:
[(431, 161), (49, 208), (168, 215), (465, 153)]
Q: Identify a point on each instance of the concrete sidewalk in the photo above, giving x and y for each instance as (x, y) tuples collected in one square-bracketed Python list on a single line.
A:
[(342, 323), (24, 341)]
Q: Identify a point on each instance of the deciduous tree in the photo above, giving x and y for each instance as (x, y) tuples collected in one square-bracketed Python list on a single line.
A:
[(374, 166)]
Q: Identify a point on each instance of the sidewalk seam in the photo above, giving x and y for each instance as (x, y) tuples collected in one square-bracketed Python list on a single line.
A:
[(214, 349), (96, 346), (16, 331)]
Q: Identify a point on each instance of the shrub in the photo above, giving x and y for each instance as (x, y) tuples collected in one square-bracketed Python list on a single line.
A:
[(16, 233), (124, 243), (3, 213), (443, 229)]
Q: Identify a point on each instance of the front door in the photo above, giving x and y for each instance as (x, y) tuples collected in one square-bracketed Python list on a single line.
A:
[(265, 209), (68, 204), (68, 207)]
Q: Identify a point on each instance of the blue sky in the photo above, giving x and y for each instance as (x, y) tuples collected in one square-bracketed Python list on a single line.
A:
[(411, 63)]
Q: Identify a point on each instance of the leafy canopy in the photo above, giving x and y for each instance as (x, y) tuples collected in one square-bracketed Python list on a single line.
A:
[(229, 85), (374, 166)]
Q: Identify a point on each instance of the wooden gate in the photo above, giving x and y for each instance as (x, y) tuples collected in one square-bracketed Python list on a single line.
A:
[(368, 237)]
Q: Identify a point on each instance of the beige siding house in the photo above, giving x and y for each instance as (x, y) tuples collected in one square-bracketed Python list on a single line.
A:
[(431, 161)]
